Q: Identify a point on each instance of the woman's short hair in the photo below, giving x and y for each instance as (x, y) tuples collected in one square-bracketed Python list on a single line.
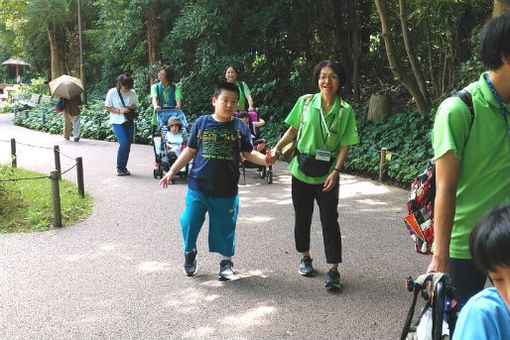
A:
[(229, 66), (336, 66), (124, 80), (169, 73), (489, 242)]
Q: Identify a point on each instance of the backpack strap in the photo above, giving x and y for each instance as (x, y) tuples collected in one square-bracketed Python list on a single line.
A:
[(308, 98), (465, 96)]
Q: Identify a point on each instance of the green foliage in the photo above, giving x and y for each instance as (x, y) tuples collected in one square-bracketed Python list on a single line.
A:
[(406, 135), (27, 205)]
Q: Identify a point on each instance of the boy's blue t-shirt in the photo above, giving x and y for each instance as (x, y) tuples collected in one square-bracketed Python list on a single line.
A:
[(215, 170), (485, 316)]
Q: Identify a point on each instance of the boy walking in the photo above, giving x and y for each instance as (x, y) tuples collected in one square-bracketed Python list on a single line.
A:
[(472, 160), (216, 142)]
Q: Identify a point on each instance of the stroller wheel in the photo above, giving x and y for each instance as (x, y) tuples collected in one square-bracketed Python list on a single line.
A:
[(155, 173), (269, 177), (262, 172)]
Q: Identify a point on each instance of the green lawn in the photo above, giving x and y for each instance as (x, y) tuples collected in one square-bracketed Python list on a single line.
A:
[(26, 206)]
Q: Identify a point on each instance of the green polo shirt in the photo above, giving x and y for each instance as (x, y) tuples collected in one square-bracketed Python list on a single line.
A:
[(166, 90), (242, 99), (484, 179), (341, 123)]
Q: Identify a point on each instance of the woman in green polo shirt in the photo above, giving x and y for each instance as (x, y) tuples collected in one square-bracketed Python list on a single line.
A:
[(327, 128), (165, 93), (244, 91)]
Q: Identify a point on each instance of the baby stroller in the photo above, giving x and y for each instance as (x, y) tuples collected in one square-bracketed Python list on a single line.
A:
[(251, 118), (164, 154), (439, 315)]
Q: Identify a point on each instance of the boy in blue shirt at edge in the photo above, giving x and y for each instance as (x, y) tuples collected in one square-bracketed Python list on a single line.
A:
[(486, 315), (215, 142)]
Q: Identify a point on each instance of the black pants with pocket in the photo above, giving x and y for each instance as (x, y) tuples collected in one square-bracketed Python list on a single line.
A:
[(303, 196)]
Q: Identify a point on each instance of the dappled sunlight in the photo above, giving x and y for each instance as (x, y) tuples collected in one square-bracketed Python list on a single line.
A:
[(189, 299), (253, 317), (101, 251), (369, 201), (356, 188), (153, 266), (256, 219), (199, 332), (237, 276)]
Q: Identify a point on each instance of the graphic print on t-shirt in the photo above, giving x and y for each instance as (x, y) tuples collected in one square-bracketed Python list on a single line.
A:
[(218, 143)]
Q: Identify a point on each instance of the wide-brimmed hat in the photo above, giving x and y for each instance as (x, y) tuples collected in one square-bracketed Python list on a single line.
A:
[(174, 121)]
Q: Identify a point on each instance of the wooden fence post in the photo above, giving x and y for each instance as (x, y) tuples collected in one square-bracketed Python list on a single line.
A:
[(14, 161), (56, 152), (55, 194), (381, 162), (79, 176)]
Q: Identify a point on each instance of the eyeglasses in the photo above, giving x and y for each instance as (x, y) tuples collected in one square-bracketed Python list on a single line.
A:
[(331, 77)]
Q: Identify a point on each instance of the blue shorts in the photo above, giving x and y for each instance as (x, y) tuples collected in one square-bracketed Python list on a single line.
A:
[(222, 221)]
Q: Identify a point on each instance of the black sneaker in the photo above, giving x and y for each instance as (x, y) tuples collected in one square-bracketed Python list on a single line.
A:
[(226, 271), (126, 171), (332, 280), (121, 172), (76, 139), (190, 262), (305, 267)]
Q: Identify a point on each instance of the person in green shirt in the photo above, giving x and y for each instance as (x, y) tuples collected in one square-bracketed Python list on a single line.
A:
[(165, 93), (244, 91), (328, 129), (472, 160)]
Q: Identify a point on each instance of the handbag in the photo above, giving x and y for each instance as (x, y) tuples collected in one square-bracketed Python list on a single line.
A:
[(132, 114), (313, 167), (288, 151)]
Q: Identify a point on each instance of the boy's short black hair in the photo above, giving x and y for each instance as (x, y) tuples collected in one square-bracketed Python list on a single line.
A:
[(244, 114), (495, 41), (336, 66), (124, 80), (225, 86), (489, 243)]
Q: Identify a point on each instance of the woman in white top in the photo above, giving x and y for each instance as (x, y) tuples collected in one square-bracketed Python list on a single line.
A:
[(122, 127)]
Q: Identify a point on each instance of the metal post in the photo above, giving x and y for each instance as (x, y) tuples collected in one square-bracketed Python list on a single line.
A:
[(14, 163), (381, 162), (56, 152), (79, 175), (55, 194)]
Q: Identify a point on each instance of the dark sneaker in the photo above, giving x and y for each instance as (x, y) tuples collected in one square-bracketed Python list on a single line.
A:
[(121, 172), (226, 271), (126, 171), (332, 280), (76, 139), (190, 262), (305, 267)]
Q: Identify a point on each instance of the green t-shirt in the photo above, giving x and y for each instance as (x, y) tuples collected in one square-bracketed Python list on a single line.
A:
[(484, 178), (242, 99), (154, 93), (341, 123)]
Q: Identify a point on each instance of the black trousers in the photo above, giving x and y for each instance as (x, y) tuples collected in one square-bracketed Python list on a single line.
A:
[(303, 196)]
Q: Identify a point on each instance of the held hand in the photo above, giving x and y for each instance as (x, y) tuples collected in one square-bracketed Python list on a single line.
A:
[(269, 159), (272, 155), (331, 181), (157, 108)]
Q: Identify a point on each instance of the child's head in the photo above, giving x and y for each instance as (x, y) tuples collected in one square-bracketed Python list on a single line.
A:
[(495, 41), (174, 124), (225, 100), (245, 117), (490, 248)]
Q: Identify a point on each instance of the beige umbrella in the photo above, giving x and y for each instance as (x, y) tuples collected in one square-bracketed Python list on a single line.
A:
[(66, 86), (15, 62)]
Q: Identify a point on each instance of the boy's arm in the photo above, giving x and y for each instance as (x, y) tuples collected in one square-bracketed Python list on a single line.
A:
[(260, 123), (256, 157), (184, 158), (447, 175)]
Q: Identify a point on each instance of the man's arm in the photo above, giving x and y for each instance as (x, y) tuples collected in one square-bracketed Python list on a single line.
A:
[(447, 175)]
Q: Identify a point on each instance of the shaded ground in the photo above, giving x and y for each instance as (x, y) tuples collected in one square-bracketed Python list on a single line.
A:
[(118, 275)]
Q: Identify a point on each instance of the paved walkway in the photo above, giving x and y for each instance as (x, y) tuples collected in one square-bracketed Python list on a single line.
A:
[(118, 275)]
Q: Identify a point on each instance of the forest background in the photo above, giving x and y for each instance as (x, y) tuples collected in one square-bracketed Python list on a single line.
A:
[(402, 58)]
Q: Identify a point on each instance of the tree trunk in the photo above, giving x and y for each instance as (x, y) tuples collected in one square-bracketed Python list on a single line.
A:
[(380, 105), (500, 6), (152, 27), (418, 74), (409, 82), (57, 50), (355, 48)]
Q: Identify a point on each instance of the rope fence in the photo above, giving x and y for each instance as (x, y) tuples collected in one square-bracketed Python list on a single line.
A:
[(54, 176)]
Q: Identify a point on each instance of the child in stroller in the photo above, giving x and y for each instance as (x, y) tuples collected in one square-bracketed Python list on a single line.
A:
[(254, 123), (172, 137)]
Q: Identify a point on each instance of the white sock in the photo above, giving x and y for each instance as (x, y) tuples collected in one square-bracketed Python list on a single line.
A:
[(223, 257)]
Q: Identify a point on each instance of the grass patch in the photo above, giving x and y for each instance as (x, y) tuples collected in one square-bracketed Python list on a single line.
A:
[(26, 206)]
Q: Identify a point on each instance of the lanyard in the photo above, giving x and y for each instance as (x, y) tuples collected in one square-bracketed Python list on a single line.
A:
[(322, 121), (499, 100)]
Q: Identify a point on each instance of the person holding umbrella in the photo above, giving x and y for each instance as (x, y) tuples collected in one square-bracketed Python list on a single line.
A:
[(68, 89)]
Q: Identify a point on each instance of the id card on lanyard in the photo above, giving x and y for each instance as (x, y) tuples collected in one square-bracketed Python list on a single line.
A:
[(323, 153)]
